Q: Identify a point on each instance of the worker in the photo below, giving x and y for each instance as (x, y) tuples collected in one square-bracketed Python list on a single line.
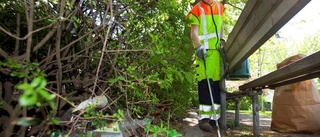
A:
[(207, 34)]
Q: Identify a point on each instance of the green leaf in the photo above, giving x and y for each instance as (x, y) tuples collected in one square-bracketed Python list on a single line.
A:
[(56, 133), (119, 115), (114, 80), (27, 121), (14, 73), (38, 82), (52, 21), (120, 78), (86, 115), (35, 64), (28, 99), (95, 122), (55, 121), (75, 25), (174, 133), (89, 134), (52, 104), (47, 96), (26, 87)]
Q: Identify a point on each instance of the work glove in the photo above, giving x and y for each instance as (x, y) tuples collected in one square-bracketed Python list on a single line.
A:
[(201, 52)]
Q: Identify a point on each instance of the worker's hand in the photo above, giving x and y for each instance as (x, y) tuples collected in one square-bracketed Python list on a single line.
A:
[(201, 52)]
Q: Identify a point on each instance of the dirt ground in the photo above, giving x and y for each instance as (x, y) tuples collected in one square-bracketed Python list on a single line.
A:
[(189, 127)]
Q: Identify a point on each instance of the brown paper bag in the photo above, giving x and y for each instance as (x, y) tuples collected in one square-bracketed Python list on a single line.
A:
[(296, 107)]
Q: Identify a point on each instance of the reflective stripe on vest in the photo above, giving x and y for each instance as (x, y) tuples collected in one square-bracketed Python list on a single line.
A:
[(205, 37)]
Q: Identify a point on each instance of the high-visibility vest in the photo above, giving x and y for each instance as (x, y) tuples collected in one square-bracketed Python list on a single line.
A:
[(205, 37), (209, 35), (205, 13)]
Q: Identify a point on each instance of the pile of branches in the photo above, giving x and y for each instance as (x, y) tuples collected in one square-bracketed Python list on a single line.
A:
[(87, 48)]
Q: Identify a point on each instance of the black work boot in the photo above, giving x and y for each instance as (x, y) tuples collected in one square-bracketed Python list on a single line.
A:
[(213, 124), (205, 125)]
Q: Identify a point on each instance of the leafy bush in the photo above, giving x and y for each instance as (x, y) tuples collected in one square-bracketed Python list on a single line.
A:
[(139, 60), (160, 130), (245, 103)]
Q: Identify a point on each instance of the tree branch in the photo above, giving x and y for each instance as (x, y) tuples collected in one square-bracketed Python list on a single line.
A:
[(4, 54), (16, 48), (45, 39), (224, 2), (234, 6), (58, 56), (26, 36), (104, 46)]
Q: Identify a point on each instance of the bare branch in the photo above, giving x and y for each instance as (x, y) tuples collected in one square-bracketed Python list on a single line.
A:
[(137, 50), (58, 56), (16, 48), (4, 54), (104, 46), (45, 39), (25, 37), (234, 6)]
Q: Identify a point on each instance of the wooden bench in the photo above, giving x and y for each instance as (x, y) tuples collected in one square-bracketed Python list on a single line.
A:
[(259, 20), (303, 69)]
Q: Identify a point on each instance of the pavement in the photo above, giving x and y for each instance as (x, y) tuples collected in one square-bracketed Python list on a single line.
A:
[(192, 129)]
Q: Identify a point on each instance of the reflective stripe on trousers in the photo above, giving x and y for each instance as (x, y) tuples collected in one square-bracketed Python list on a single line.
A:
[(206, 111)]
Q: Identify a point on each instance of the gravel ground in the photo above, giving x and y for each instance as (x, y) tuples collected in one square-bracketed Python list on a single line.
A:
[(190, 128)]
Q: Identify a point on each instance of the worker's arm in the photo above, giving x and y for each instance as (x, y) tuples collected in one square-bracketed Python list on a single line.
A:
[(200, 50), (195, 35)]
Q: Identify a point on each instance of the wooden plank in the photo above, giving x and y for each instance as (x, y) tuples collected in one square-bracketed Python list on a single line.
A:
[(237, 94), (301, 67), (281, 15), (285, 11), (259, 14), (242, 20), (312, 75)]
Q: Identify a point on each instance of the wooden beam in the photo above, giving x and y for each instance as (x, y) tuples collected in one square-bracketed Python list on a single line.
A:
[(260, 12), (299, 68), (223, 106), (223, 112), (255, 115), (265, 19), (242, 20), (312, 75), (236, 94), (237, 112)]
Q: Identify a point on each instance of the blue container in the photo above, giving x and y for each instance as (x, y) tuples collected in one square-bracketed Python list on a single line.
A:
[(241, 73)]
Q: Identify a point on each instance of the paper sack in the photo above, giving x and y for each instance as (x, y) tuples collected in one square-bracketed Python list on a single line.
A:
[(296, 107)]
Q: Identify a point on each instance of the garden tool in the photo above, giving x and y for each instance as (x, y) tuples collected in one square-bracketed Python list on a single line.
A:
[(211, 97)]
